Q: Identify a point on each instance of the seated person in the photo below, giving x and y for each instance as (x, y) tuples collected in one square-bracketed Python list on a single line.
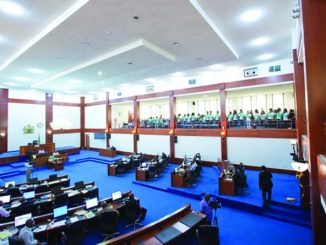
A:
[(3, 212), (193, 167), (106, 208), (142, 210), (26, 234), (13, 191)]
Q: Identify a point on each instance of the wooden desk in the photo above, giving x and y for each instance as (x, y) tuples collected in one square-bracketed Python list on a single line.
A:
[(178, 180), (226, 185), (146, 234), (112, 169), (108, 152), (40, 161), (24, 150), (141, 174)]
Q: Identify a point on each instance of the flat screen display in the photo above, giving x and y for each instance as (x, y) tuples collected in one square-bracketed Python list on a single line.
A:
[(116, 195), (60, 211), (5, 199), (79, 185), (10, 182), (21, 220), (29, 194), (91, 203)]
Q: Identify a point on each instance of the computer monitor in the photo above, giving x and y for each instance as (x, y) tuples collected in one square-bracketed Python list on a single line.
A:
[(56, 190), (35, 142), (79, 185), (60, 211), (10, 182), (53, 177), (5, 199), (91, 203), (21, 220), (33, 181), (116, 195), (29, 194)]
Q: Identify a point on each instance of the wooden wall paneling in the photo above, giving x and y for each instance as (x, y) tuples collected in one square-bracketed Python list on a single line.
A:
[(48, 117), (122, 130), (136, 122), (154, 95), (82, 122), (108, 118), (314, 36), (23, 101), (322, 175), (300, 102), (263, 133), (173, 105), (198, 132), (66, 131), (153, 131), (95, 130), (65, 104), (4, 120), (223, 133)]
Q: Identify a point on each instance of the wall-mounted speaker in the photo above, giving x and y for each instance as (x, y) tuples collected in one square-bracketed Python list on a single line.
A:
[(175, 139), (137, 137)]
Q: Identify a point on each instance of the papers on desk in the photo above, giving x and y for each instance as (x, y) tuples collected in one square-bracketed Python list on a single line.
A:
[(73, 193), (15, 204), (40, 228), (4, 234), (89, 215), (84, 191), (74, 219), (58, 223), (80, 212)]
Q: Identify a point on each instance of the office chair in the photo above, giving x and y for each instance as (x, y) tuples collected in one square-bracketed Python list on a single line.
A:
[(152, 171), (14, 240), (91, 193), (73, 234), (207, 235), (61, 199), (109, 224), (41, 188), (121, 168), (14, 192), (75, 200), (132, 213)]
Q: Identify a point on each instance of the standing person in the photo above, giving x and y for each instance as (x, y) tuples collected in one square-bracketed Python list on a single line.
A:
[(265, 184), (206, 209)]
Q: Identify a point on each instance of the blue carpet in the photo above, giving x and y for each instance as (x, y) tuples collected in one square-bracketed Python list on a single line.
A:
[(236, 226), (17, 164), (9, 154)]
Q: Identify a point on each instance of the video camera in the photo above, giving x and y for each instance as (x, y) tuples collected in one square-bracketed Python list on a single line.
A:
[(214, 204)]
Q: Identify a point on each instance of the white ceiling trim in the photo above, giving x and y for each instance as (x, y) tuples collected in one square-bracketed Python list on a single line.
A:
[(65, 15), (211, 23), (113, 53)]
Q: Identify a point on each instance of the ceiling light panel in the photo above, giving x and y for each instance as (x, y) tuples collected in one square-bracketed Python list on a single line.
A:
[(251, 15), (11, 8), (259, 41)]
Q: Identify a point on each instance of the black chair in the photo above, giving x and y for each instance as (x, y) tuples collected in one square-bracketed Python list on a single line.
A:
[(109, 224), (14, 192), (207, 235), (152, 171), (132, 213), (73, 234), (15, 241), (61, 199), (121, 168), (41, 188), (91, 193)]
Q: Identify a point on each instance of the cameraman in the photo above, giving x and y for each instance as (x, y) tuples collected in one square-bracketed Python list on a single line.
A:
[(206, 209)]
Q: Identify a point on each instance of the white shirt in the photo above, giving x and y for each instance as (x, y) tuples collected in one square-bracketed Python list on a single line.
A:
[(27, 235), (3, 212)]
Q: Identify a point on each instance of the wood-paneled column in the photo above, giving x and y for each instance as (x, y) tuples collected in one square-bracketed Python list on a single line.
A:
[(3, 120), (82, 122), (172, 103), (108, 119), (314, 36), (300, 102), (136, 123), (48, 117), (223, 122)]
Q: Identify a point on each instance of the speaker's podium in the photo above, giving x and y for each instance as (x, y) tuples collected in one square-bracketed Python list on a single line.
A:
[(226, 182)]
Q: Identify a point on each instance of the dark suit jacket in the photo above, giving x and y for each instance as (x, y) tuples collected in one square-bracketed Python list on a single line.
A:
[(265, 181)]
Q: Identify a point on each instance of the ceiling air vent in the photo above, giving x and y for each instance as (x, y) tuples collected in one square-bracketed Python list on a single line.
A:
[(275, 68), (192, 81), (150, 88), (119, 94), (251, 72)]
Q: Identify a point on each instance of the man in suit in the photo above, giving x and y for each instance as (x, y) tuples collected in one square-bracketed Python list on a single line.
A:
[(106, 208), (131, 199), (265, 184)]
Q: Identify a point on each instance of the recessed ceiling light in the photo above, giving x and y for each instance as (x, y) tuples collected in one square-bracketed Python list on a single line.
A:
[(75, 81), (108, 32), (99, 73), (106, 89), (129, 63), (125, 84), (93, 92), (259, 41), (178, 74), (216, 66), (251, 15), (2, 39), (150, 80), (265, 56), (35, 70), (12, 84), (11, 8), (70, 91), (22, 79)]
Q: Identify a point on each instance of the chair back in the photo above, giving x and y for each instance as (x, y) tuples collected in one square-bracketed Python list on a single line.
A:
[(74, 233), (207, 235), (15, 241), (109, 221), (14, 192), (132, 211)]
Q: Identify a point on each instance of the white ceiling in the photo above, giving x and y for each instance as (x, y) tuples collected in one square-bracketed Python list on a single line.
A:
[(72, 41)]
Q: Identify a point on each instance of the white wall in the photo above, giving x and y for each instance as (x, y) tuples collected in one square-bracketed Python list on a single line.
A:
[(122, 142), (119, 114), (72, 139), (95, 116), (96, 143), (19, 115), (68, 113), (154, 144), (26, 94), (274, 153), (208, 147)]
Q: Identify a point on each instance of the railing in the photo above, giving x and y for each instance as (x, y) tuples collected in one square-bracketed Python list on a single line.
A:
[(285, 124)]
